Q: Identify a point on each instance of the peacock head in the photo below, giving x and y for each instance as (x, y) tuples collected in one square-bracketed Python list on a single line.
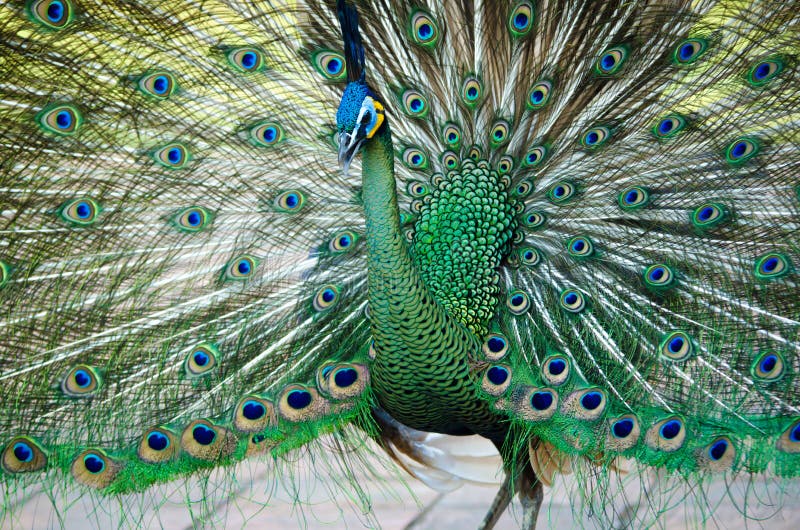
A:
[(359, 117)]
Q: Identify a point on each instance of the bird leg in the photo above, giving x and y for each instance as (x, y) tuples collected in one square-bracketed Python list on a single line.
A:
[(529, 489)]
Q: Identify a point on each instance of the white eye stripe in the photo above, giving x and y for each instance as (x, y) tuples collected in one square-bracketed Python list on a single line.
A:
[(367, 106)]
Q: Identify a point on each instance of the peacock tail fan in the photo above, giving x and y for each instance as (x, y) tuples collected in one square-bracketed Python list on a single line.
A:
[(600, 199)]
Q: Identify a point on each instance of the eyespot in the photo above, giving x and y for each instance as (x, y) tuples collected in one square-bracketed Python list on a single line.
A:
[(347, 381), (437, 179), (772, 265), (81, 212), (624, 433), (5, 273), (495, 346), (768, 367), (667, 435), (499, 133), (505, 165), (475, 153), (535, 156), (572, 300), (417, 189), (451, 135), (659, 276), (326, 297), (173, 156), (709, 215), (414, 104), (520, 21), (289, 201), (415, 158), (54, 14), (543, 400), (580, 247), (266, 134), (159, 85), (533, 219), (561, 192), (718, 455), (689, 51), (669, 126), (157, 445), (300, 403), (201, 360), (450, 160), (253, 413), (496, 380), (634, 198), (416, 205), (22, 455), (587, 404), (595, 137), (517, 302), (203, 440), (63, 120), (539, 95), (246, 59), (192, 219), (741, 150), (556, 370), (676, 346), (523, 188), (330, 64), (343, 241), (789, 442), (764, 71), (94, 468), (409, 235), (424, 30), (611, 60), (240, 268), (471, 91), (81, 381)]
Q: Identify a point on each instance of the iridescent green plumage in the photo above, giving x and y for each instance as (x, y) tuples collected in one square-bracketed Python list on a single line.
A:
[(575, 234)]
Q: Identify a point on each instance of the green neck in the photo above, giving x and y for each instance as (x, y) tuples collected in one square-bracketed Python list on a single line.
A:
[(422, 373)]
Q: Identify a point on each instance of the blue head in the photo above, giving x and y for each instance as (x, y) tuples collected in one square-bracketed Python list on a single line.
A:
[(359, 117)]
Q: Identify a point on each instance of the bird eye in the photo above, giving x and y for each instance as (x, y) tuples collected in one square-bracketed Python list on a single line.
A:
[(330, 64)]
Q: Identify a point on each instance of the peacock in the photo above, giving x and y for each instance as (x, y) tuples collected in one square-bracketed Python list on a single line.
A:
[(232, 229)]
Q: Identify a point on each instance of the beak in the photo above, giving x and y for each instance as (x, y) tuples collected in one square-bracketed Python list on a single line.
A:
[(349, 144)]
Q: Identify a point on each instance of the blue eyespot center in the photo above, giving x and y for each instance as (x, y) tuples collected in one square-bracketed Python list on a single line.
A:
[(472, 92), (631, 196), (63, 119), (676, 344), (334, 66), (244, 267), (560, 191), (591, 400), (157, 441), (249, 60), (623, 428), (521, 21), (528, 254), (269, 134), (537, 96), (194, 218), (299, 399), (203, 435), (496, 344), (718, 449), (200, 358), (686, 51), (592, 138), (23, 452), (82, 379), (571, 298), (671, 429), (665, 126), (452, 137), (328, 295), (55, 11), (83, 210), (174, 155), (253, 410), (706, 213), (344, 241), (578, 245), (425, 31), (608, 61), (497, 375), (517, 300), (556, 367), (795, 434), (770, 264), (345, 377), (416, 159), (541, 400), (656, 274), (291, 200), (93, 463), (416, 105), (768, 363), (160, 84), (739, 149), (761, 71)]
